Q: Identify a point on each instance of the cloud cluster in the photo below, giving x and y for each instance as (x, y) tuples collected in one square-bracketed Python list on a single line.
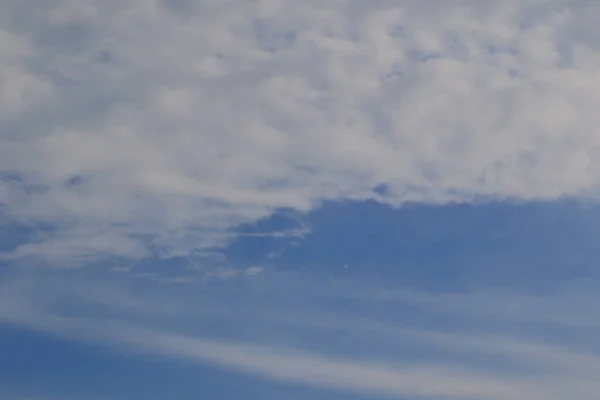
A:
[(127, 126)]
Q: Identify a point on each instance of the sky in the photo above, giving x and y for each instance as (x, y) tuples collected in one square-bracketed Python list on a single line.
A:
[(277, 199)]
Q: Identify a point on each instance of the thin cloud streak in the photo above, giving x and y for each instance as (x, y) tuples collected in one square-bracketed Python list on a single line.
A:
[(548, 372), (288, 364)]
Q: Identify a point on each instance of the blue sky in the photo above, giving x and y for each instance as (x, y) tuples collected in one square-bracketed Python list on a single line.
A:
[(301, 200)]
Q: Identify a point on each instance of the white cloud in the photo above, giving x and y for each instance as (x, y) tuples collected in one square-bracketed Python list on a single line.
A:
[(182, 121), (288, 365), (463, 364), (254, 270), (357, 377)]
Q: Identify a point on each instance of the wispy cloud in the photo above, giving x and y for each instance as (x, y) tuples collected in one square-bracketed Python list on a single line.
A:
[(436, 361), (140, 124), (347, 375), (288, 365)]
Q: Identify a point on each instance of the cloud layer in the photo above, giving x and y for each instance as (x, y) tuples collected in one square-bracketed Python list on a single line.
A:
[(140, 127)]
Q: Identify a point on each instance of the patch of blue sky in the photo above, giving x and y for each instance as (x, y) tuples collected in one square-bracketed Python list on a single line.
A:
[(533, 246)]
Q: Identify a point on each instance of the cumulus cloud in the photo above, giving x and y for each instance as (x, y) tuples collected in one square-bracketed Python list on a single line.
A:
[(165, 124)]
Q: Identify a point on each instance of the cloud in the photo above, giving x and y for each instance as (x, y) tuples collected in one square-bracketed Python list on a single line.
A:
[(177, 121), (292, 366), (402, 359), (254, 270), (356, 377), (229, 273)]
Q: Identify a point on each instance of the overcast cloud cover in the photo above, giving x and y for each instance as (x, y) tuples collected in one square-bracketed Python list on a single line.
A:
[(140, 139), (173, 121)]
